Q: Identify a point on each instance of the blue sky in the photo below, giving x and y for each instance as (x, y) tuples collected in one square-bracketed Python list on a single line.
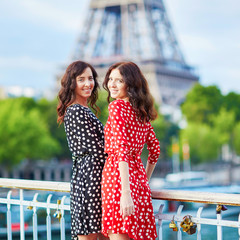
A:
[(39, 36)]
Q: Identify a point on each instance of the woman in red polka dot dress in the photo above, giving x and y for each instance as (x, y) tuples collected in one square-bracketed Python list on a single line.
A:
[(126, 196)]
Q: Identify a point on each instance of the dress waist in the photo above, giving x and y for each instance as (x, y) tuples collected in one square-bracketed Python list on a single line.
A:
[(81, 155), (78, 159), (129, 153), (136, 167), (132, 156)]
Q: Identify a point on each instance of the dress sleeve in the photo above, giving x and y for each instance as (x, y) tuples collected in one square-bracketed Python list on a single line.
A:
[(81, 134), (153, 146), (118, 128)]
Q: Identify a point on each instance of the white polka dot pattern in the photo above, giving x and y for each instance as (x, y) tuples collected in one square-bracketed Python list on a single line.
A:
[(86, 142), (125, 137)]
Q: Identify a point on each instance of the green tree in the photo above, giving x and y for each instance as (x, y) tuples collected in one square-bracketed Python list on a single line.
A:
[(161, 128), (202, 103), (23, 132), (236, 138), (203, 141), (231, 103), (103, 106), (168, 130), (48, 110), (224, 123)]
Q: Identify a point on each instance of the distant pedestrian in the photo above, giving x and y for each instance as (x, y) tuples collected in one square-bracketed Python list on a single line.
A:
[(126, 195), (85, 136)]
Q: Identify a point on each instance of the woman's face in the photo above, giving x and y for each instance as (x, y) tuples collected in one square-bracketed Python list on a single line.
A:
[(84, 84), (117, 86)]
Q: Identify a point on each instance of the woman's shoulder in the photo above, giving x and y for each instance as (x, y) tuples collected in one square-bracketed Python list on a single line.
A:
[(76, 109), (119, 104), (119, 108)]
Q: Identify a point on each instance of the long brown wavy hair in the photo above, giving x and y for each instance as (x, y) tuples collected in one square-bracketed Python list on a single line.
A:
[(66, 95), (137, 89)]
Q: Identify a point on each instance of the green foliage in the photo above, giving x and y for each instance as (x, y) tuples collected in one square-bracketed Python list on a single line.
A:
[(49, 114), (169, 130), (103, 106), (206, 106), (23, 132), (232, 103), (203, 142), (160, 128), (236, 138), (202, 103), (224, 123)]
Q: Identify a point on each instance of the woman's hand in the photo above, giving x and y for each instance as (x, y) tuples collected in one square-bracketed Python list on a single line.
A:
[(126, 204)]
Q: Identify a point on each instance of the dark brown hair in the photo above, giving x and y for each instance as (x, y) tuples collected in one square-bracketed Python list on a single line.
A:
[(137, 89), (66, 95)]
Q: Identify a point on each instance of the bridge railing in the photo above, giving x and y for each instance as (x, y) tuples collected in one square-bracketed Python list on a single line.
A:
[(220, 200), (61, 207)]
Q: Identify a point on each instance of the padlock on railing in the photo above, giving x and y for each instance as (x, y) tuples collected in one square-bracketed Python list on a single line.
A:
[(188, 225), (58, 214), (220, 208), (29, 207), (173, 226)]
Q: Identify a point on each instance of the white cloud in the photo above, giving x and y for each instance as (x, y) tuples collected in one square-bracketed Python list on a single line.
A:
[(226, 78), (19, 91), (197, 46), (49, 13), (25, 71), (26, 62)]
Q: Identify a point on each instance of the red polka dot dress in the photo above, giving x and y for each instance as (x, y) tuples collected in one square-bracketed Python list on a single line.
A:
[(125, 137)]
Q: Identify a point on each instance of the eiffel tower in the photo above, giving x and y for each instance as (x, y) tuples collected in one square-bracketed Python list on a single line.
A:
[(138, 31)]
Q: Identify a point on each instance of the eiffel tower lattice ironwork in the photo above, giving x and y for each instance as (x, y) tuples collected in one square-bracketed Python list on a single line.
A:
[(138, 31)]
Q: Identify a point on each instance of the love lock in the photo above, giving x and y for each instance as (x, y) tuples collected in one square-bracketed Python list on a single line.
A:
[(220, 208), (57, 215), (173, 225), (188, 225)]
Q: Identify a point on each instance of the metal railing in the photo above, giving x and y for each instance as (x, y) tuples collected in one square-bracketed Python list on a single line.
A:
[(219, 199), (61, 207)]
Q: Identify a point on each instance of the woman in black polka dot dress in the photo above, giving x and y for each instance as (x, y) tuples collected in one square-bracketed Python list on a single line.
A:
[(85, 138)]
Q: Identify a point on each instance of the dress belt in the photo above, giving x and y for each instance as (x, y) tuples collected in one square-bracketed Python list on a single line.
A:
[(79, 157), (131, 153)]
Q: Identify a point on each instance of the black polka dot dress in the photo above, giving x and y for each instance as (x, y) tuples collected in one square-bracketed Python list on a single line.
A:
[(85, 138)]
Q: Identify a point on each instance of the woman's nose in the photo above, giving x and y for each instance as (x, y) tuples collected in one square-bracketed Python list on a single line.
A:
[(87, 83), (112, 84)]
